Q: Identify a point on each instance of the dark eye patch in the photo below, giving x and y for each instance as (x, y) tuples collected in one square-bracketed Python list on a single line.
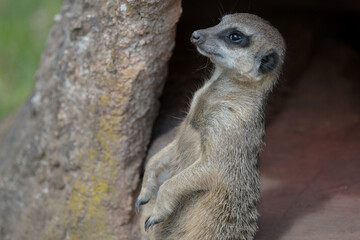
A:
[(234, 37)]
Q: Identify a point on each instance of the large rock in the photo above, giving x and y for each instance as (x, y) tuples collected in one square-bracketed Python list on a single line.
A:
[(70, 162)]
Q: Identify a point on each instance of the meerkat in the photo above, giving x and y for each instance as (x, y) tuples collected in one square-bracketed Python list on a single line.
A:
[(205, 184)]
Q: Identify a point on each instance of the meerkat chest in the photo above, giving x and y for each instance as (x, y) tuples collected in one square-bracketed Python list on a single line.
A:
[(211, 106)]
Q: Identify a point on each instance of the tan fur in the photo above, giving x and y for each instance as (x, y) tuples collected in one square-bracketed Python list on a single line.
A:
[(211, 174)]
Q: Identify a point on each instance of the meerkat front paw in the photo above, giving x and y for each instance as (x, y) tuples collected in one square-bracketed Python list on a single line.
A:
[(139, 202), (163, 207), (143, 198), (150, 221)]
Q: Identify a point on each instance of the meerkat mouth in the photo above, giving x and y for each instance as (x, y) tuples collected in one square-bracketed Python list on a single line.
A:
[(208, 54)]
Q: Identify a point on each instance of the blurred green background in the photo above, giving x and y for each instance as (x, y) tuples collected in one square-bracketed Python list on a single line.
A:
[(24, 27)]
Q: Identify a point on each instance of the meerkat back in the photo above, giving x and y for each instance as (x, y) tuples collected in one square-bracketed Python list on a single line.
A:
[(205, 184)]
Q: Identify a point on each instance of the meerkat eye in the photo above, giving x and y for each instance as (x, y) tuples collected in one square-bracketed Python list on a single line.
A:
[(238, 38), (235, 37)]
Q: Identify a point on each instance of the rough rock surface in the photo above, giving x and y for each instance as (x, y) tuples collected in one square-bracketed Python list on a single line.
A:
[(70, 162)]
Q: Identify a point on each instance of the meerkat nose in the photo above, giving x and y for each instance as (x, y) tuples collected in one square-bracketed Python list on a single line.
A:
[(196, 38)]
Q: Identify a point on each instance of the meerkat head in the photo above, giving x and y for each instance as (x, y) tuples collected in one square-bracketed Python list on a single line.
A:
[(243, 44)]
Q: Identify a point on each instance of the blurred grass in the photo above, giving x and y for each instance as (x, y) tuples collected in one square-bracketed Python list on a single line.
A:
[(24, 27)]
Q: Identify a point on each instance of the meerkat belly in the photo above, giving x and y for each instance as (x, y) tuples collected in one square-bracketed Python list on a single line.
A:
[(217, 214), (201, 216)]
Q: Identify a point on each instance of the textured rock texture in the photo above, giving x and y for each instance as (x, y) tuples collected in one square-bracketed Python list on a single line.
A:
[(70, 162)]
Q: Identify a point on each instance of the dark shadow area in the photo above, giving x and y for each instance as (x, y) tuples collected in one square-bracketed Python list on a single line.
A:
[(310, 168), (310, 165)]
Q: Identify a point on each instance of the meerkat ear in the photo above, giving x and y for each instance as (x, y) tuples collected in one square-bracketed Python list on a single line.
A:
[(267, 62)]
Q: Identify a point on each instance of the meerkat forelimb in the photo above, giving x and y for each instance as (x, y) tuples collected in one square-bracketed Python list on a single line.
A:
[(159, 162), (205, 184)]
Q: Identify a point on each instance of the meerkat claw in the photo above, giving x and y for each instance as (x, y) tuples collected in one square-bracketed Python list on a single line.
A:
[(151, 223), (146, 222), (140, 202)]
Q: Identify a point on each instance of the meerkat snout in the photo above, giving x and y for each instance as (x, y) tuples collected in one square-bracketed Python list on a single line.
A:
[(196, 38)]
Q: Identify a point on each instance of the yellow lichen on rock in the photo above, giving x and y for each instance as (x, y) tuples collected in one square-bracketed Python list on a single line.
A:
[(87, 204), (104, 99)]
